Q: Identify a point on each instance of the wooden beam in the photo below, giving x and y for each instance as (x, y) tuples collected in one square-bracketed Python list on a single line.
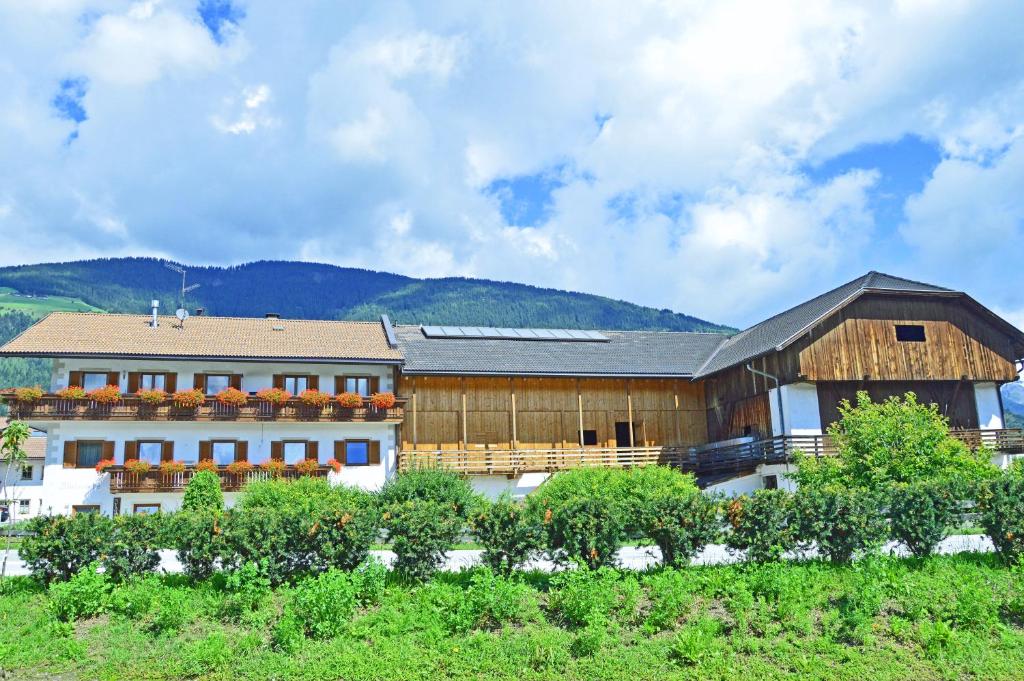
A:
[(415, 431), (629, 406), (512, 392), (679, 435), (465, 427), (579, 405)]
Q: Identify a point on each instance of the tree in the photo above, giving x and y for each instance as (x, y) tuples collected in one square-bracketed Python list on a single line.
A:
[(13, 454)]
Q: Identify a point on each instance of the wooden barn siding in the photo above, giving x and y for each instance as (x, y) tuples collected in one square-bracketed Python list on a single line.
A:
[(547, 411), (955, 399), (738, 399), (860, 340)]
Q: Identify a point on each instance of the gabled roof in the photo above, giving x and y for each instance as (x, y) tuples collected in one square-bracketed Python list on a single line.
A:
[(86, 334), (625, 353), (776, 333)]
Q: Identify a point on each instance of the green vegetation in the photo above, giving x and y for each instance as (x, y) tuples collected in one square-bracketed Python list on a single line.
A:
[(943, 617), (37, 306)]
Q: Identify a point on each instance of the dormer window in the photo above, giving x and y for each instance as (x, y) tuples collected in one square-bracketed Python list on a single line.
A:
[(910, 333)]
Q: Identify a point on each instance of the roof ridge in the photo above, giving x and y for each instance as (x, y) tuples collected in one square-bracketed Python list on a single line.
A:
[(208, 316)]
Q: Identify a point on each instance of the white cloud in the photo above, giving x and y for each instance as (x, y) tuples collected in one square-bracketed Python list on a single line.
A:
[(247, 116)]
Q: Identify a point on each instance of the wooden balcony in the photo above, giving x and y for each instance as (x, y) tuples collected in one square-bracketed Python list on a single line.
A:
[(53, 408), (734, 458), (122, 481)]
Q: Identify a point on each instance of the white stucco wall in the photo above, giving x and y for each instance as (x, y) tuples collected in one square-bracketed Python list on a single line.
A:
[(492, 486), (799, 409), (990, 409)]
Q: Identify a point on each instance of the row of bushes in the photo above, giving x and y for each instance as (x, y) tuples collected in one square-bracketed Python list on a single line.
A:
[(292, 529)]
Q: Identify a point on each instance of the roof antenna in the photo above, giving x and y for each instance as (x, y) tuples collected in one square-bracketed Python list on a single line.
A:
[(181, 313)]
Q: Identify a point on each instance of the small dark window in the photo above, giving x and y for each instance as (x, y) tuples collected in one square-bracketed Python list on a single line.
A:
[(910, 333), (589, 437), (748, 430), (771, 482)]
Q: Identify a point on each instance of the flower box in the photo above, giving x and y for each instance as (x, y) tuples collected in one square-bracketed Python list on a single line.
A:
[(274, 466), (335, 465), (382, 401), (152, 397), (108, 394), (104, 464), (206, 465), (72, 392), (232, 397), (189, 399), (314, 398), (137, 466), (307, 466), (172, 467), (349, 400), (239, 467), (275, 396), (28, 394)]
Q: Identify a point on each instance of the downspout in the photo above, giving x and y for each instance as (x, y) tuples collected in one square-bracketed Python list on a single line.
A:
[(778, 393)]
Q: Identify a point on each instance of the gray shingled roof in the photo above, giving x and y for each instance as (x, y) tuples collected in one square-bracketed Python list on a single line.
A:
[(626, 353), (774, 333)]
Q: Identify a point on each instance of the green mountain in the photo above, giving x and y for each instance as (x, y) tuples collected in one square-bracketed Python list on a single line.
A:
[(303, 290)]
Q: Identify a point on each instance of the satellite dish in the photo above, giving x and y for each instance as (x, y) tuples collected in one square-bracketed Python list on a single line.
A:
[(181, 314)]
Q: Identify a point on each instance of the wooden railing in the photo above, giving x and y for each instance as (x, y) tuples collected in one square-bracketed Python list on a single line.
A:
[(122, 481), (52, 407), (734, 458)]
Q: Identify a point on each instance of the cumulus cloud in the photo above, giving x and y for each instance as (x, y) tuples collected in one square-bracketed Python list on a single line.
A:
[(656, 152)]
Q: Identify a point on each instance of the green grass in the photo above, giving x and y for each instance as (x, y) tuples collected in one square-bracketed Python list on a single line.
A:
[(38, 306), (941, 618)]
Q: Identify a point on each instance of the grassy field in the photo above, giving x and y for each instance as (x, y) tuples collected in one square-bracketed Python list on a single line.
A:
[(941, 618), (38, 306)]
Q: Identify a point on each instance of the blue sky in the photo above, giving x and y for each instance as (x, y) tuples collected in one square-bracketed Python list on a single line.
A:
[(724, 159)]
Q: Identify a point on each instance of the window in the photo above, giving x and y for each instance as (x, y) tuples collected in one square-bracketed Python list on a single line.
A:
[(296, 384), (294, 452), (223, 453), (23, 506), (85, 508), (150, 451), (146, 509), (358, 384), (217, 382), (92, 381), (910, 333), (26, 472), (357, 453), (152, 381), (589, 437), (89, 454), (771, 482)]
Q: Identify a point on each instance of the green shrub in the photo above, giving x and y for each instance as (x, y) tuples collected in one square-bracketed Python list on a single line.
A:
[(509, 533), (579, 597), (586, 531), (670, 597), (1001, 503), (132, 547), (922, 514), (433, 485), (343, 532), (171, 609), (247, 590), (84, 595), (323, 605), (276, 539), (58, 547), (681, 524), (199, 541), (134, 598), (644, 493), (762, 525), (421, 533), (203, 493), (494, 600), (841, 522)]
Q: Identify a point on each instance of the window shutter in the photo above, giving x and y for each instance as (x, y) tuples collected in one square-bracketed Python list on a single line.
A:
[(133, 382), (313, 450), (236, 381), (131, 449), (339, 451), (108, 449), (167, 451), (374, 384), (199, 383), (113, 378), (339, 385), (277, 451), (70, 454), (206, 451), (75, 378), (313, 382), (279, 381), (374, 455), (242, 450), (171, 382)]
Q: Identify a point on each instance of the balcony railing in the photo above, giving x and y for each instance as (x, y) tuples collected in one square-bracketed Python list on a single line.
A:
[(52, 407), (122, 481), (733, 458)]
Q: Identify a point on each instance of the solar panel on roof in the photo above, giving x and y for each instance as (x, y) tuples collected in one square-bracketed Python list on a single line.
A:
[(492, 333)]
